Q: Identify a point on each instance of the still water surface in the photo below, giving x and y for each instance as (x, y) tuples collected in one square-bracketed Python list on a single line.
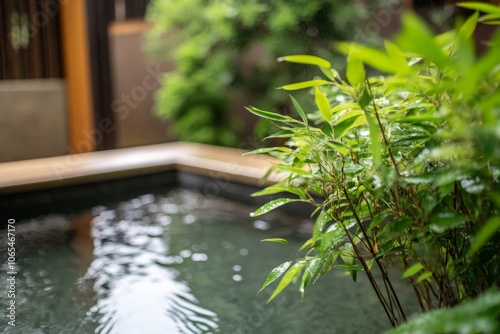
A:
[(175, 262)]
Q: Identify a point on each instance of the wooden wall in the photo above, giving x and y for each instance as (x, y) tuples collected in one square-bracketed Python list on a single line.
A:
[(29, 39)]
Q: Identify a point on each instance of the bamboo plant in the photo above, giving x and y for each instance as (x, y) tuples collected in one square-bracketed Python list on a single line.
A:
[(402, 167)]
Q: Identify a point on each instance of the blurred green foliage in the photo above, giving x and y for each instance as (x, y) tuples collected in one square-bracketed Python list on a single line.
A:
[(225, 52), (481, 315)]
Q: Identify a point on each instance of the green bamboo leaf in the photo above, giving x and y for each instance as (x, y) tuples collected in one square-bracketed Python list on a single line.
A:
[(349, 114), (282, 134), (305, 282), (329, 260), (343, 149), (397, 56), (426, 275), (421, 179), (375, 134), (344, 47), (323, 104), (275, 274), (444, 221), (397, 226), (345, 106), (304, 84), (299, 109), (320, 223), (349, 257), (489, 229), (333, 236), (417, 267), (467, 29), (378, 60), (292, 169), (495, 22), (446, 39), (269, 149), (478, 315), (365, 99), (306, 59), (277, 240), (270, 115), (330, 73), (483, 7), (349, 267), (353, 169), (275, 189), (409, 140), (343, 128), (320, 264), (273, 205), (417, 37), (307, 244), (490, 18), (421, 118), (289, 276), (355, 71)]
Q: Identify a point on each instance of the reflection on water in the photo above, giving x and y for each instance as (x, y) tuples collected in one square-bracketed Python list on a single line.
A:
[(174, 263), (135, 288), (81, 239)]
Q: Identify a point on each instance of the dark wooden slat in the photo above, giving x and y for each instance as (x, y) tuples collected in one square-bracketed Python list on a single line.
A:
[(45, 38), (35, 47), (3, 41), (103, 12), (13, 58), (54, 52)]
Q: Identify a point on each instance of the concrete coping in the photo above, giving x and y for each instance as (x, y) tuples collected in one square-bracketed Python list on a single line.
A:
[(74, 169), (41, 85)]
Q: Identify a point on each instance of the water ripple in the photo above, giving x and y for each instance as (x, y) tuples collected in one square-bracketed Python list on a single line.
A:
[(136, 288)]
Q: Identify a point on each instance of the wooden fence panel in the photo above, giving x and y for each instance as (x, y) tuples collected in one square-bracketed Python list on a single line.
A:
[(29, 39)]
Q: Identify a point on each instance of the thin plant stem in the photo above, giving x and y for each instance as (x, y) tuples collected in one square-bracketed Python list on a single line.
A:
[(383, 271)]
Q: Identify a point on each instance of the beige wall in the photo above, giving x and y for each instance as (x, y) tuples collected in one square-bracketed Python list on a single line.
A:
[(33, 121), (135, 79)]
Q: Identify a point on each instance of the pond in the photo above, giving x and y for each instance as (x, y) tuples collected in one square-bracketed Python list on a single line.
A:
[(172, 262)]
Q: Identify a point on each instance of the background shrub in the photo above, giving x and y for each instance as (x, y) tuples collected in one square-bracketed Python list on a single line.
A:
[(225, 52)]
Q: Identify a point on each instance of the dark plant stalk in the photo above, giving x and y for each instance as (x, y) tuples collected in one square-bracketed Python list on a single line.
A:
[(388, 310), (390, 289)]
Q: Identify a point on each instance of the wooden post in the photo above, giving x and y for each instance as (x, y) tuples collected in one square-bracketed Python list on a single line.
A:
[(75, 53)]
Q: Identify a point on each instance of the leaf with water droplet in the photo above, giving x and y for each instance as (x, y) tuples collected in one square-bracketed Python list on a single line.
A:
[(304, 283), (275, 274), (269, 206), (290, 275)]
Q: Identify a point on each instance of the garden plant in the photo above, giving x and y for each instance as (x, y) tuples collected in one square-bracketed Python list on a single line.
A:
[(225, 50), (403, 169)]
